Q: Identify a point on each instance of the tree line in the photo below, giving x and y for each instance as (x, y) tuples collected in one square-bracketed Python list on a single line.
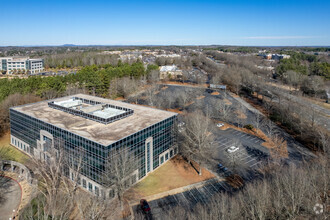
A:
[(78, 59), (100, 80), (285, 192), (304, 64)]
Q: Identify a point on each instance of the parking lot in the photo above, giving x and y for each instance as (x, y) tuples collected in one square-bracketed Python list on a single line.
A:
[(250, 153), (188, 199)]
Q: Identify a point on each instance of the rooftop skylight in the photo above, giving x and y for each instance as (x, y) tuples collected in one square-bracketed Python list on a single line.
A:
[(93, 110)]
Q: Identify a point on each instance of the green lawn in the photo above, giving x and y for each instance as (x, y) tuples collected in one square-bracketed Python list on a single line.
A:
[(8, 152)]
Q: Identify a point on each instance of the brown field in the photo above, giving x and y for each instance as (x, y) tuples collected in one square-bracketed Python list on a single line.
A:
[(173, 174), (200, 97)]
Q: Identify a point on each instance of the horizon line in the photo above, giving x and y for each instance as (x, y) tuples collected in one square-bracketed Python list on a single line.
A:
[(157, 45)]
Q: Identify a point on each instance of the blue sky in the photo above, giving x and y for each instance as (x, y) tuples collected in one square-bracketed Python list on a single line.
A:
[(235, 22)]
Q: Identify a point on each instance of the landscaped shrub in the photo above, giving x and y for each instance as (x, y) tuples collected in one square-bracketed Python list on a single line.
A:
[(249, 126)]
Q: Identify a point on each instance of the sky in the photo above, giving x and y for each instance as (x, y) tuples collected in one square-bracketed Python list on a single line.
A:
[(158, 22)]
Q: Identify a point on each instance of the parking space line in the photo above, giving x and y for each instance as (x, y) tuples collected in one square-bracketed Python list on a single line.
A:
[(176, 199), (215, 188), (246, 157), (225, 143), (256, 163), (223, 186), (251, 160), (208, 190), (202, 195), (193, 196), (184, 197)]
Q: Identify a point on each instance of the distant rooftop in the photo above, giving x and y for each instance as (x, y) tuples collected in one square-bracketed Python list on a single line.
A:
[(17, 58), (168, 68), (65, 117)]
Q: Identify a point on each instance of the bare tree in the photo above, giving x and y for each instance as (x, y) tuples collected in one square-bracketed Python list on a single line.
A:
[(280, 146), (118, 170), (91, 207), (126, 86), (58, 200), (151, 95), (185, 96), (153, 76), (269, 127), (257, 121), (57, 194), (220, 110), (198, 138), (240, 115), (324, 139), (10, 101)]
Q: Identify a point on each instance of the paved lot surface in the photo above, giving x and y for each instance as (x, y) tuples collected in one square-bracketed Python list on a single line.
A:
[(251, 153), (246, 161), (12, 199), (188, 199)]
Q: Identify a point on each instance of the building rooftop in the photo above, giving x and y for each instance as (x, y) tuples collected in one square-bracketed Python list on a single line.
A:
[(168, 68), (105, 134), (13, 59)]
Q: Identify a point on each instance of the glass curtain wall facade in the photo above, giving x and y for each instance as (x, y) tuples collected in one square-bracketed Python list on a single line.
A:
[(26, 130)]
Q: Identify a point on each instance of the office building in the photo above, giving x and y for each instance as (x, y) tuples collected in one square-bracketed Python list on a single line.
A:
[(97, 126), (12, 65)]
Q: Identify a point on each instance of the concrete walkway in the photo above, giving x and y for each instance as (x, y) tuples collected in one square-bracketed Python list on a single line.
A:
[(13, 194)]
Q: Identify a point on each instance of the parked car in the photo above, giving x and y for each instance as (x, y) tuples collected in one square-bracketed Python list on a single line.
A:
[(209, 90), (232, 149), (145, 206), (219, 125), (222, 168)]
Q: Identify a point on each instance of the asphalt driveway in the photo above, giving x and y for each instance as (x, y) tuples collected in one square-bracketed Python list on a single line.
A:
[(12, 198)]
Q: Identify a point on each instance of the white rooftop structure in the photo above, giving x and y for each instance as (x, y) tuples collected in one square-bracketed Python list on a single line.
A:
[(168, 68), (97, 110)]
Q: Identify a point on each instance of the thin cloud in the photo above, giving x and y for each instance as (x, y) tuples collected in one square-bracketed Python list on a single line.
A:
[(278, 37)]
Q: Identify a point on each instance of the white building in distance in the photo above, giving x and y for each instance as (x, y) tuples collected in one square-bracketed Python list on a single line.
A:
[(10, 65), (170, 72)]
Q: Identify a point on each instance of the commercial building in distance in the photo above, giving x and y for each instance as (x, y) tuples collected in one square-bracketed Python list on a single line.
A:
[(10, 65), (98, 126), (170, 72)]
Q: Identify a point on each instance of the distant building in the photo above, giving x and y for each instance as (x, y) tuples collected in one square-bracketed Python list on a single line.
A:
[(130, 57), (280, 56), (171, 72), (98, 126), (169, 55), (10, 65), (269, 56), (270, 68), (117, 52)]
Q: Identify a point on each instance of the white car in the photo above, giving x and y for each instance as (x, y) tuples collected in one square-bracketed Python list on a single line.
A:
[(232, 149), (181, 124), (219, 125)]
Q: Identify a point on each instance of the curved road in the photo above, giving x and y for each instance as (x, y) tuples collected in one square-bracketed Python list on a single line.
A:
[(12, 196)]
